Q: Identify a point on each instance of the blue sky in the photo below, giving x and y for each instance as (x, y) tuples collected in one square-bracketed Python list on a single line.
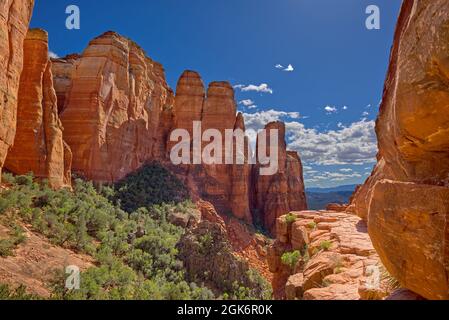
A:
[(329, 100)]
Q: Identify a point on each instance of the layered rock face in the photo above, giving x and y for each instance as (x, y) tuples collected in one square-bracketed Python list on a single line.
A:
[(336, 260), (111, 98), (278, 194), (226, 185), (62, 73), (15, 17), (236, 188), (405, 199), (118, 113), (38, 145)]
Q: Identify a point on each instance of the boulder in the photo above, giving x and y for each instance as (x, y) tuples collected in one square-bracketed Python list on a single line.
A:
[(408, 227), (294, 287), (404, 199)]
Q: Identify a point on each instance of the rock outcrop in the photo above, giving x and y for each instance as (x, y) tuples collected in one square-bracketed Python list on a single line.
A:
[(38, 145), (405, 199), (208, 257), (118, 113), (278, 194), (15, 17), (112, 106), (334, 259)]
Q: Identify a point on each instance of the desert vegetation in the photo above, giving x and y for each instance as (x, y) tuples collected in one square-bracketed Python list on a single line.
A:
[(128, 234)]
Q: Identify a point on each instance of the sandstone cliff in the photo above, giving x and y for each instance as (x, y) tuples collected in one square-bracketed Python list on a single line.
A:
[(405, 201), (227, 186), (38, 144), (111, 98), (15, 17), (118, 113), (278, 194)]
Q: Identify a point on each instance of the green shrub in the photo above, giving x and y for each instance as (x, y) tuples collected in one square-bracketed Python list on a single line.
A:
[(206, 242), (290, 218), (136, 252), (312, 225), (325, 245), (291, 259), (16, 237), (6, 247), (25, 180), (6, 293), (151, 185)]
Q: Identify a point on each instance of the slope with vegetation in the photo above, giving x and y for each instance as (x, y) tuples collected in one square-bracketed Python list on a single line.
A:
[(132, 242)]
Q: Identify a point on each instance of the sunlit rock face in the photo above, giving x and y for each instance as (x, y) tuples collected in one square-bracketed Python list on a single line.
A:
[(38, 145), (15, 17), (405, 199), (228, 186), (338, 255), (118, 113), (282, 192), (111, 99)]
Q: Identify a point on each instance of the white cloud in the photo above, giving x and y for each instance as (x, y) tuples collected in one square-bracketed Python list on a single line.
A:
[(256, 121), (330, 109), (345, 107), (365, 114), (247, 102), (355, 144), (289, 68), (262, 88), (346, 170), (327, 176), (53, 55)]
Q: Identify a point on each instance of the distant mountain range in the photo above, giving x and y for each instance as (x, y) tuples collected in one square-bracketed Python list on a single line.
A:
[(350, 187), (319, 198)]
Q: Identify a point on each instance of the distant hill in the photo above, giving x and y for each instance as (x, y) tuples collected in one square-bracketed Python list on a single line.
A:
[(350, 187), (319, 198)]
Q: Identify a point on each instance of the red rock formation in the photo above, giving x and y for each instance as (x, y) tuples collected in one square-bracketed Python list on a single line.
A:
[(112, 107), (405, 199), (118, 113), (241, 189), (337, 260), (190, 96), (278, 194), (337, 207), (38, 144), (15, 17), (62, 71)]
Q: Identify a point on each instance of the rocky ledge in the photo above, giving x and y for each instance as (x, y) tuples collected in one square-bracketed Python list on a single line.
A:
[(326, 255)]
